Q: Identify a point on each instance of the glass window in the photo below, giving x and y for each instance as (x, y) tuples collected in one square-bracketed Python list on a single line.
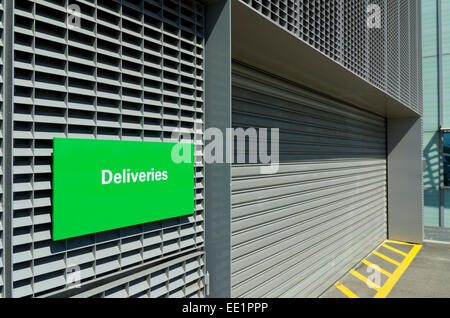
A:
[(446, 159)]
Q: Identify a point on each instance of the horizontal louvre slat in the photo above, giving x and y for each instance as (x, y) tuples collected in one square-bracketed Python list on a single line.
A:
[(180, 277)]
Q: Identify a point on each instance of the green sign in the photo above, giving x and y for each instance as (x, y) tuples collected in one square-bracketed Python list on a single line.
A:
[(101, 185)]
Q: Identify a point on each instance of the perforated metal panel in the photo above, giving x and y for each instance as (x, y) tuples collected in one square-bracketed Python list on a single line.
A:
[(339, 29), (2, 261), (133, 70), (296, 232)]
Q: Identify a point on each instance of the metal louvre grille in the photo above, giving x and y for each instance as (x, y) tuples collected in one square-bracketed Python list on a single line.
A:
[(339, 30), (404, 52), (355, 50), (1, 153), (283, 12), (418, 32), (320, 25), (413, 56), (296, 232), (132, 71), (182, 279), (377, 50), (393, 55)]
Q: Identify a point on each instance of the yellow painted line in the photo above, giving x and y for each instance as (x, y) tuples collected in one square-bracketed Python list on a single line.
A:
[(365, 279), (345, 290), (390, 260), (394, 249), (398, 242), (376, 267), (389, 284)]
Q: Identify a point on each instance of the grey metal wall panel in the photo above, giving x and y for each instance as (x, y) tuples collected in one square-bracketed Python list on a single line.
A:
[(294, 233), (2, 206), (405, 204), (377, 50), (339, 30), (132, 71)]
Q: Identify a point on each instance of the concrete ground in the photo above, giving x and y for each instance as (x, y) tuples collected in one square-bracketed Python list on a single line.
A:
[(427, 276)]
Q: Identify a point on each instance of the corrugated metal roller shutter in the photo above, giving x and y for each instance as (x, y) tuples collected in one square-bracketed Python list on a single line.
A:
[(296, 232), (1, 153), (133, 70)]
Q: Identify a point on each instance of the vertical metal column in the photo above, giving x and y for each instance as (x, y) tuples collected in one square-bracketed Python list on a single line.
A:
[(8, 142), (440, 114), (218, 175)]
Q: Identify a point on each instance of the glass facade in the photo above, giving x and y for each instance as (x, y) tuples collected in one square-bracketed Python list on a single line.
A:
[(446, 159), (431, 133), (436, 112)]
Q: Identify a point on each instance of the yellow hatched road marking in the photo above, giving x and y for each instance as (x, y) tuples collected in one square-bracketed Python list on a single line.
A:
[(378, 268), (394, 249), (383, 291), (345, 290), (389, 284), (386, 258), (402, 243), (365, 279)]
